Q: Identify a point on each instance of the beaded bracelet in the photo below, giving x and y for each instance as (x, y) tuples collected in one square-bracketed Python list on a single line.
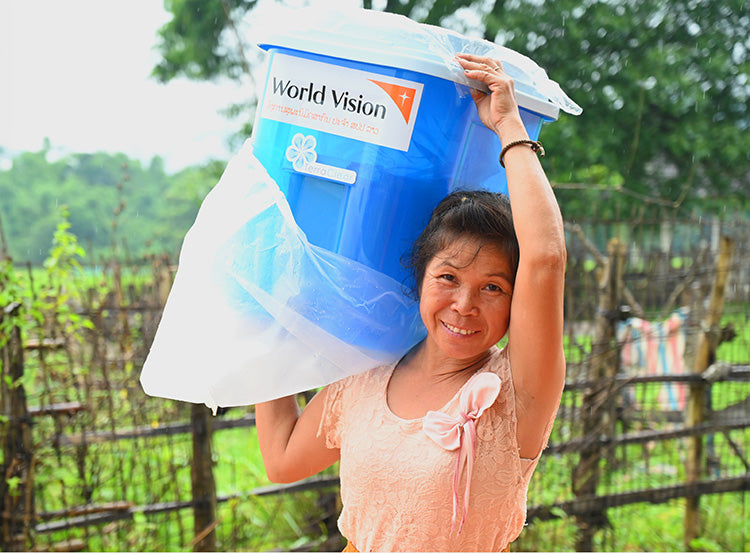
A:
[(535, 146)]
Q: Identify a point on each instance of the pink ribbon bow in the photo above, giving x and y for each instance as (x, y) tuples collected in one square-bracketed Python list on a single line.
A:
[(460, 432)]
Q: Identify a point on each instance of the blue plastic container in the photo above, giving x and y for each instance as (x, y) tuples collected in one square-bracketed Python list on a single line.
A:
[(365, 143)]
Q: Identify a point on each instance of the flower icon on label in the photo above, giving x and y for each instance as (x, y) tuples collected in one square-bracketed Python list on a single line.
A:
[(302, 151)]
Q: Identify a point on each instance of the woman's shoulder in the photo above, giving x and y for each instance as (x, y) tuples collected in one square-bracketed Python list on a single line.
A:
[(350, 399), (360, 383)]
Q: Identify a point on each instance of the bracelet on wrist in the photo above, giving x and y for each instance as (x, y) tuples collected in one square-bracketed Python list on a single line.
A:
[(535, 145)]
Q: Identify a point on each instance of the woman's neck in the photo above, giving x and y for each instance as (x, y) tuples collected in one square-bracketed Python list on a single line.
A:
[(434, 365), (425, 381)]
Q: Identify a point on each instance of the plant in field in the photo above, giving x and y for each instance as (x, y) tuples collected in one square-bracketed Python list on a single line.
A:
[(62, 268)]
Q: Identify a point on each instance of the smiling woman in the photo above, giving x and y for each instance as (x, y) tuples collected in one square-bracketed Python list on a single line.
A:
[(438, 448)]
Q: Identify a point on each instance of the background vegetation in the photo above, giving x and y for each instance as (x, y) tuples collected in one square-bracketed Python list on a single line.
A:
[(115, 204)]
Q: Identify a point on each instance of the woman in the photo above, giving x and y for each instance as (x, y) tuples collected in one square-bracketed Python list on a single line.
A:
[(437, 452)]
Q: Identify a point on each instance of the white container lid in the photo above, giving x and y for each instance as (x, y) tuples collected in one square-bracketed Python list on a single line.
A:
[(393, 40)]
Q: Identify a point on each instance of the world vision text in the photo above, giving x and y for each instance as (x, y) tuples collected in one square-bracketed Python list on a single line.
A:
[(319, 95)]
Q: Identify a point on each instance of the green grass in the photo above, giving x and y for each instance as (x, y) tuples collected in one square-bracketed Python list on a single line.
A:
[(646, 527), (158, 470), (637, 527), (736, 351)]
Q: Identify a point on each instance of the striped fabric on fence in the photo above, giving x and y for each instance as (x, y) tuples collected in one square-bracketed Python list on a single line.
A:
[(656, 348)]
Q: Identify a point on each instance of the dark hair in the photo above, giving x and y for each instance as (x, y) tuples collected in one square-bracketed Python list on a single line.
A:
[(478, 214)]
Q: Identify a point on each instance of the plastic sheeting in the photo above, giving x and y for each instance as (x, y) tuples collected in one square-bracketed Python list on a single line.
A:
[(396, 41), (256, 312)]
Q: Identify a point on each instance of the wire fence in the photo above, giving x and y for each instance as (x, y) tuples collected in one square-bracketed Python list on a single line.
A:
[(91, 463)]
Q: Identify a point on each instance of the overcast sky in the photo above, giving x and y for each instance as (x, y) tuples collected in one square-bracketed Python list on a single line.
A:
[(77, 72)]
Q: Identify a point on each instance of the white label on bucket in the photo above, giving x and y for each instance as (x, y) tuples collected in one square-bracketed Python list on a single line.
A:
[(301, 152), (339, 100)]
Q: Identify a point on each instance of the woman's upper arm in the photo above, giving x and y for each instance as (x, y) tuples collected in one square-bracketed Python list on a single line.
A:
[(306, 452), (536, 348)]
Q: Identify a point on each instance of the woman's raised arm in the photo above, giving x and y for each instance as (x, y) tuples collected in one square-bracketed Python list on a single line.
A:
[(536, 320)]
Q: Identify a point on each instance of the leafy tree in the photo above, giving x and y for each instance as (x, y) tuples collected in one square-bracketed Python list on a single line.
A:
[(114, 204), (29, 202), (664, 89), (191, 42), (183, 196)]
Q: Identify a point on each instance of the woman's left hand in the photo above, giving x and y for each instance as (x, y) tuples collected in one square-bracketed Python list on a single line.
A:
[(500, 105)]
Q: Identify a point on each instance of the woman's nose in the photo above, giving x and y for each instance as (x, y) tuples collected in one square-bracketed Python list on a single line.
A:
[(463, 302)]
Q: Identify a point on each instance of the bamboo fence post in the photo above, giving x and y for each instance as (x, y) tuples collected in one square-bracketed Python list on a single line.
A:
[(17, 478), (163, 279), (705, 353), (203, 483), (598, 400)]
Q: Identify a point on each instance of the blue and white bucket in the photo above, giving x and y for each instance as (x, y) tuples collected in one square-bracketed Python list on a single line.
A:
[(366, 122)]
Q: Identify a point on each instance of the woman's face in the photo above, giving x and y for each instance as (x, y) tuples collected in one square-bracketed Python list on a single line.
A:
[(465, 298)]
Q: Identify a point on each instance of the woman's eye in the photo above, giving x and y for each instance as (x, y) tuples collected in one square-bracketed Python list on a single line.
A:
[(448, 277), (494, 288)]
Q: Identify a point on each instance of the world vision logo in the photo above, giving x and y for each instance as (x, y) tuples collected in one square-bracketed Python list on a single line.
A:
[(402, 96)]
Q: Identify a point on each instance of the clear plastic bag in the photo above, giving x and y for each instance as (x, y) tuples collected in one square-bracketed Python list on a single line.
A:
[(256, 312), (394, 40)]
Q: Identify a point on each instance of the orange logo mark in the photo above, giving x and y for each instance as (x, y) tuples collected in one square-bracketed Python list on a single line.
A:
[(402, 96)]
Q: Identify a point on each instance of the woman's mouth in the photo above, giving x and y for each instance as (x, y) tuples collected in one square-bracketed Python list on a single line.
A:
[(457, 330)]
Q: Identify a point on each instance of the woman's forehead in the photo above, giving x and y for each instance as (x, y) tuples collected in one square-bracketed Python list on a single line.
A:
[(465, 250)]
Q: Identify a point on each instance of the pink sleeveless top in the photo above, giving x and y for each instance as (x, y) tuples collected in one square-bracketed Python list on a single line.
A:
[(397, 482)]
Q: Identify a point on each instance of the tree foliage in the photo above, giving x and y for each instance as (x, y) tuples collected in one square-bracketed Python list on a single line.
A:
[(191, 42), (663, 84), (114, 204)]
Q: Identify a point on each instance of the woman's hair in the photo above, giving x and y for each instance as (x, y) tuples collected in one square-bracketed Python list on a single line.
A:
[(478, 214)]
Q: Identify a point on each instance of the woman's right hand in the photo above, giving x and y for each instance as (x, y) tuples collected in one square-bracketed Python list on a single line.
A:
[(499, 107)]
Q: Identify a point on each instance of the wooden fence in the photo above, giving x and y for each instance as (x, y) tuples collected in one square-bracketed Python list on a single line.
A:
[(91, 463)]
